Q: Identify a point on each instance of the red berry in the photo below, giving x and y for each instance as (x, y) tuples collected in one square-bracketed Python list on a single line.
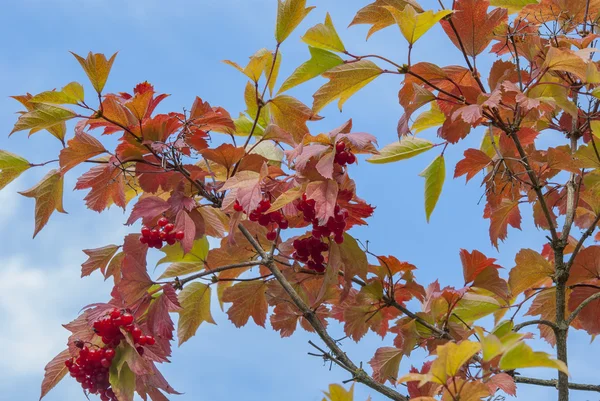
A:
[(171, 241), (146, 231), (351, 158), (284, 224), (115, 313), (237, 207), (342, 158), (150, 340), (140, 350), (339, 239), (136, 333), (264, 220), (105, 363), (109, 353), (142, 340), (144, 240), (154, 234), (127, 319), (340, 146), (179, 235), (169, 227), (272, 235), (163, 221)]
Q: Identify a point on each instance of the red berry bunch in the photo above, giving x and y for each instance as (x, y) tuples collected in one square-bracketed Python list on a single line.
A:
[(109, 328), (310, 251), (271, 220), (90, 369), (155, 237), (343, 155)]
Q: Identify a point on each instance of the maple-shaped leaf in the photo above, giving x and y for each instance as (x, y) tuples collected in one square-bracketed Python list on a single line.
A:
[(378, 16), (82, 147), (159, 321), (148, 208), (97, 68), (586, 265), (248, 300), (195, 309), (291, 115), (451, 357), (11, 167), (290, 14), (55, 371), (320, 62), (435, 175), (385, 364), (475, 161), (58, 130), (211, 118), (107, 186), (338, 393), (544, 305), (353, 258), (507, 212), (415, 24), (43, 116), (428, 119), (522, 356), (531, 271), (48, 194), (426, 390), (404, 149), (176, 254), (246, 186), (135, 280), (566, 60), (72, 93), (474, 263), (474, 26), (255, 68), (325, 195), (98, 259), (226, 155), (324, 36), (344, 81)]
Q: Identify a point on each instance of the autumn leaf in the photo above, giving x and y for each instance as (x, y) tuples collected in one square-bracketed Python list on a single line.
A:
[(320, 62), (385, 364), (324, 36), (72, 93), (248, 300), (434, 175), (404, 149), (451, 357), (413, 24), (507, 212), (11, 167), (291, 115), (588, 316), (247, 188), (344, 81), (175, 253), (475, 161), (513, 6), (339, 393), (122, 381), (55, 371), (566, 60), (226, 155), (82, 147), (378, 16), (97, 68), (325, 195), (43, 116), (98, 259), (195, 309), (522, 356), (148, 208), (290, 14), (106, 184), (429, 119), (48, 194), (474, 26), (531, 270)]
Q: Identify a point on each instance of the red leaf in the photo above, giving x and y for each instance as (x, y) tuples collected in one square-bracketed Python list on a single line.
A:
[(589, 317), (385, 364), (148, 209), (55, 371), (135, 280), (474, 161), (325, 195), (82, 147), (106, 184), (211, 118), (500, 217), (183, 222), (226, 155), (474, 25), (159, 321), (428, 389), (504, 382), (586, 265), (98, 259), (474, 263), (248, 299)]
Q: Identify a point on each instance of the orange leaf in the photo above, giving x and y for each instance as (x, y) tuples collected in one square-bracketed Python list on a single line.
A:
[(48, 194), (97, 68), (248, 300), (55, 371), (474, 161), (98, 259), (82, 147)]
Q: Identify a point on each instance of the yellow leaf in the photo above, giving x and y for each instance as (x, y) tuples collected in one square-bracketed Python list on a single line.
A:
[(291, 115), (595, 126), (195, 309), (413, 24), (474, 306), (404, 149), (376, 15), (339, 393), (513, 6), (435, 175), (272, 70), (43, 116), (451, 357), (566, 60), (97, 68), (174, 253), (72, 93), (344, 81), (11, 166), (522, 356), (428, 119), (48, 194), (320, 61), (290, 14), (324, 36), (531, 271)]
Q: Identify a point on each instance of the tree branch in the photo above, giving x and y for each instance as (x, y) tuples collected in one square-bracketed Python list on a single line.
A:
[(554, 383), (179, 283), (582, 305), (548, 323)]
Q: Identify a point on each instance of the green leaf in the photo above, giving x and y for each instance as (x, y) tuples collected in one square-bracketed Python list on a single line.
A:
[(434, 175), (595, 126), (522, 356), (11, 166), (97, 68), (513, 6), (71, 94), (413, 24), (181, 269), (243, 126), (43, 116), (428, 119), (320, 62), (174, 253), (195, 309), (404, 149), (475, 306), (122, 381), (290, 14), (324, 36), (344, 81)]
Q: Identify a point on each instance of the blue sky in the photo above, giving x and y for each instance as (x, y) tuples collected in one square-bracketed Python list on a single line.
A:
[(178, 46)]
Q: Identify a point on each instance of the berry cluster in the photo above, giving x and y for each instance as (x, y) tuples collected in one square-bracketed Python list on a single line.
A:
[(309, 250), (271, 220), (90, 369), (343, 155), (164, 233)]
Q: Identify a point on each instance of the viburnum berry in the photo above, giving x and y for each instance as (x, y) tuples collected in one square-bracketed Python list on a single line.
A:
[(343, 155), (272, 235), (156, 237), (237, 207), (270, 220)]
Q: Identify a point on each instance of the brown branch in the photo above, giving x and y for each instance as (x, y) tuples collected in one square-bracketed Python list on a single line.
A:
[(554, 383), (548, 323), (581, 241), (580, 307), (179, 283)]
